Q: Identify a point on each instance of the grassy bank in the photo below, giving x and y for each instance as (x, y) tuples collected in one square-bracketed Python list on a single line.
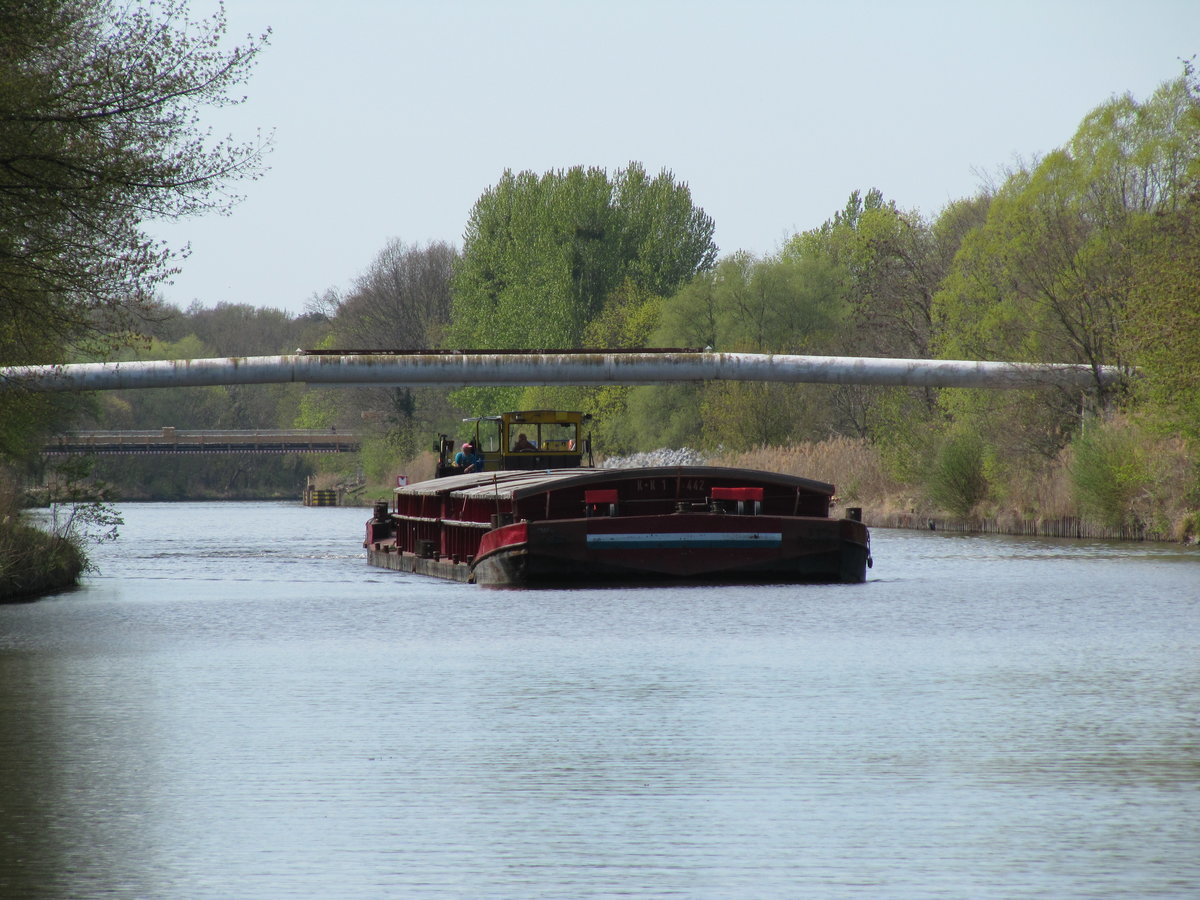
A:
[(37, 560), (33, 561)]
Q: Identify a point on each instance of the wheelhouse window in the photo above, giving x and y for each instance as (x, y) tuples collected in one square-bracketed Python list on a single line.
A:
[(542, 437), (489, 436), (557, 437)]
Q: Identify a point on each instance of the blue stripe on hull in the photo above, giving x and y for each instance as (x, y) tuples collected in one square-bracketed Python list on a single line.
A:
[(690, 540)]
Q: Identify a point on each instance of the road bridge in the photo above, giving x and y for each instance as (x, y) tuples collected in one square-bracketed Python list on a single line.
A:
[(171, 440), (461, 368)]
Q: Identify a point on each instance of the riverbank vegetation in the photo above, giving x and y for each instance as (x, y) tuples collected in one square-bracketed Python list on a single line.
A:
[(1088, 255), (1119, 482), (100, 131), (35, 559)]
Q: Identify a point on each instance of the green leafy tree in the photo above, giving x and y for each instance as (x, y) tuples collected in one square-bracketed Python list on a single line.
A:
[(1052, 274), (780, 304), (629, 319), (666, 415), (742, 415), (99, 124), (543, 254), (1048, 277), (1162, 328), (1110, 471), (956, 479), (887, 264), (571, 257), (100, 131)]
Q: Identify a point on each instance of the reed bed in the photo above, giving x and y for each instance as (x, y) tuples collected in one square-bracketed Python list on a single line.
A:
[(852, 465), (1033, 501)]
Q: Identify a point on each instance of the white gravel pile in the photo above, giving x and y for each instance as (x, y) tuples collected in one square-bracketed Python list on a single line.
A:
[(682, 457)]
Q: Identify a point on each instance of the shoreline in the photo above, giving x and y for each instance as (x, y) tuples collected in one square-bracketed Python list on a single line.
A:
[(1071, 527), (40, 563)]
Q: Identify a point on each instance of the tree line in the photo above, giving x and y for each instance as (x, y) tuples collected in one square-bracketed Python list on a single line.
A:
[(1087, 255)]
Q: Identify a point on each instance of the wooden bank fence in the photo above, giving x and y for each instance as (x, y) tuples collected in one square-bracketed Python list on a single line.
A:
[(1064, 527)]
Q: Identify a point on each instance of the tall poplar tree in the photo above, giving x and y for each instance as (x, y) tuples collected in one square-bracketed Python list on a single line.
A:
[(543, 254)]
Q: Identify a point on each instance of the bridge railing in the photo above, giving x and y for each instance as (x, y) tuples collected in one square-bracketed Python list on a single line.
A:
[(169, 439), (170, 433)]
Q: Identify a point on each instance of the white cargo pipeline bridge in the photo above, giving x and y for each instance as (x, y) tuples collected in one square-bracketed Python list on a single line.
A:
[(462, 368)]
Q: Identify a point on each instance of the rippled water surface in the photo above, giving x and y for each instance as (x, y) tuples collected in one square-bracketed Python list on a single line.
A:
[(236, 706)]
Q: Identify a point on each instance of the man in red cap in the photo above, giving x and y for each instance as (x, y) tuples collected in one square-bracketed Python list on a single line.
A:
[(468, 460)]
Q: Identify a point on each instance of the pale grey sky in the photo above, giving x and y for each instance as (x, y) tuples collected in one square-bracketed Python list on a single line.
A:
[(391, 118)]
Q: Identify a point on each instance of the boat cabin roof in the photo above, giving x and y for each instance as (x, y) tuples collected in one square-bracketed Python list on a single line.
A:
[(517, 484)]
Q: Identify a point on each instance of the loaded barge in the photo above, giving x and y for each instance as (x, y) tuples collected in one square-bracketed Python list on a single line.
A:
[(536, 516)]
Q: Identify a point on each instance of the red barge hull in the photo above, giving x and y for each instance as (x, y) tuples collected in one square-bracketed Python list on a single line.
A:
[(577, 527), (684, 547)]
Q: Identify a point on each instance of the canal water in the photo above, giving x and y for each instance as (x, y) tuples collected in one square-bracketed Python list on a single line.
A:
[(235, 706)]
